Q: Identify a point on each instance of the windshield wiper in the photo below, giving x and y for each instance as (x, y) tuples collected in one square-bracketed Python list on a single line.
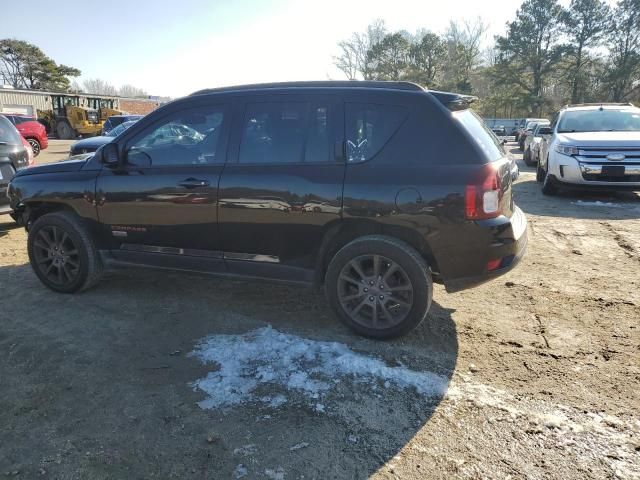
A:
[(566, 131)]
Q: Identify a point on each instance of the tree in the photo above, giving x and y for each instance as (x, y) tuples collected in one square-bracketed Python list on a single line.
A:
[(353, 56), (427, 59), (585, 25), (24, 65), (389, 59), (131, 91), (464, 53), (624, 47), (97, 86), (530, 50)]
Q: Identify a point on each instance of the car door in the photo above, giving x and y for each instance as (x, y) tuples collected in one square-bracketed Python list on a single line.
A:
[(282, 187), (163, 198)]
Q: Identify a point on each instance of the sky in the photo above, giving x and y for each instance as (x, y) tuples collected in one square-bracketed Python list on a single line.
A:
[(174, 47)]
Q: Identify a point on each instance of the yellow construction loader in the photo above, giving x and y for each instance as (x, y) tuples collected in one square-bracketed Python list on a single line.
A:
[(76, 115)]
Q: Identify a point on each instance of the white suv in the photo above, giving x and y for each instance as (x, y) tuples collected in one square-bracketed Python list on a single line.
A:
[(592, 145)]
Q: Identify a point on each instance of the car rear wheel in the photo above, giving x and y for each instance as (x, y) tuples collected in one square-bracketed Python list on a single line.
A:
[(379, 286), (62, 253), (35, 145), (527, 157)]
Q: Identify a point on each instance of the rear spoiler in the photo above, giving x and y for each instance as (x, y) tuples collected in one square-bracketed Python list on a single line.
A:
[(454, 101)]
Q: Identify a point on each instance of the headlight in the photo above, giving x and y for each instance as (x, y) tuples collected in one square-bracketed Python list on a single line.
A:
[(566, 149)]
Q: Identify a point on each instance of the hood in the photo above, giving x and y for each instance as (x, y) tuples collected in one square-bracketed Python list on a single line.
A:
[(74, 164), (601, 139), (94, 142)]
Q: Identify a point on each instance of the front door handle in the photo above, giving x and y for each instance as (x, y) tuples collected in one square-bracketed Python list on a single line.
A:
[(194, 183)]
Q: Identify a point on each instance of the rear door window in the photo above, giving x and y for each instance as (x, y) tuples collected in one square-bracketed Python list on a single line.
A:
[(286, 132), (480, 133), (369, 127)]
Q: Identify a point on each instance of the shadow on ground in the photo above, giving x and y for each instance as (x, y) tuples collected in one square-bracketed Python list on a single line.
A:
[(96, 385)]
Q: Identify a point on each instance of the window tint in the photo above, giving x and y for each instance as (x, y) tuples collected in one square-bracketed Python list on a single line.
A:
[(318, 147), (369, 127), (186, 137), (478, 130), (273, 133)]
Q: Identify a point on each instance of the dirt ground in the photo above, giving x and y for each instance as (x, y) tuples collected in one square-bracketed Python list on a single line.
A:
[(541, 369)]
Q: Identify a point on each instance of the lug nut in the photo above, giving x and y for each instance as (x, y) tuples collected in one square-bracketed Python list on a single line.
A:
[(371, 298), (371, 282), (366, 290), (381, 297)]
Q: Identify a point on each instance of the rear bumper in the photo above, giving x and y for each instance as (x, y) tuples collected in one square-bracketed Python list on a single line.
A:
[(509, 246)]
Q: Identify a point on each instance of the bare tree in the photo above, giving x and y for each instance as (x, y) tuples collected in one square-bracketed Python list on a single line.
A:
[(98, 86), (352, 60), (131, 91)]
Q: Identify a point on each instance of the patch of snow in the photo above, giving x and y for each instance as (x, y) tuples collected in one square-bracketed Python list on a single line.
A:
[(598, 203), (246, 450), (277, 474), (240, 471), (298, 446), (308, 367)]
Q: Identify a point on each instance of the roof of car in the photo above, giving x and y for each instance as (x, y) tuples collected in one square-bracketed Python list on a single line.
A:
[(598, 106), (391, 85)]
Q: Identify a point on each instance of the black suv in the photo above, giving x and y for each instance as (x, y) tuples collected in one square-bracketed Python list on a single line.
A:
[(372, 189)]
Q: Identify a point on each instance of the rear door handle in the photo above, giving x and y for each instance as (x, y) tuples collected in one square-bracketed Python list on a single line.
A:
[(194, 183)]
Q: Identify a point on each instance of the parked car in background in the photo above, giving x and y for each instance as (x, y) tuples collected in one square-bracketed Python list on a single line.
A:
[(500, 131), (13, 156), (528, 129), (115, 120), (340, 184), (91, 144), (592, 146), (523, 126), (544, 133), (33, 131), (532, 139)]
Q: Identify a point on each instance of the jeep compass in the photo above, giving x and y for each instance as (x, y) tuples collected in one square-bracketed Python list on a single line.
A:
[(373, 190)]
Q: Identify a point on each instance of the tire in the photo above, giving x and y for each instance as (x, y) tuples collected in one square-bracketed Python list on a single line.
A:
[(517, 136), (64, 131), (35, 145), (526, 157), (401, 270), (52, 238), (548, 183), (539, 173), (521, 146)]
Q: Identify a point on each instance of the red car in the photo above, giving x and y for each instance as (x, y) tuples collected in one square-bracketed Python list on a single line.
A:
[(33, 131)]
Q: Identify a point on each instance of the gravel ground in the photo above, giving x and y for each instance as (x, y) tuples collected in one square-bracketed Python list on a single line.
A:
[(540, 369)]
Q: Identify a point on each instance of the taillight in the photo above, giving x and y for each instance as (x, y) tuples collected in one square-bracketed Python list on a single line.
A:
[(482, 199)]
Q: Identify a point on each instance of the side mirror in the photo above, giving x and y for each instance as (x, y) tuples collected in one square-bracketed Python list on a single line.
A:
[(110, 155), (504, 141)]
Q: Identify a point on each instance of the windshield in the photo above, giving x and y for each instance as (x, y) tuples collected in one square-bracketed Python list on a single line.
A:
[(119, 129), (600, 120)]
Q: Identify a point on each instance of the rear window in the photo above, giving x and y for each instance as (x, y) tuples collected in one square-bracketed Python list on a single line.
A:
[(369, 127), (8, 133), (481, 134)]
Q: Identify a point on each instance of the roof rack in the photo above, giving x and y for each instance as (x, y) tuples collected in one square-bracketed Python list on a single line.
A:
[(600, 104), (318, 84)]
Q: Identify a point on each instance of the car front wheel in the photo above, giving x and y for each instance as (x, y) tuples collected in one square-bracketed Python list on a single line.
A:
[(62, 253), (379, 286)]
